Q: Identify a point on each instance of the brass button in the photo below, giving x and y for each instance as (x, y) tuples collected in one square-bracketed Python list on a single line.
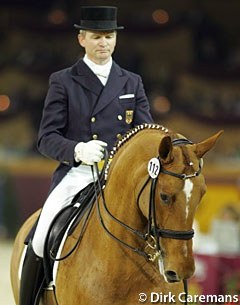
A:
[(95, 136), (119, 117), (119, 136), (93, 119)]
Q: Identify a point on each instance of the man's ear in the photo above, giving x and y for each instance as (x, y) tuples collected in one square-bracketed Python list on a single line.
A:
[(81, 40)]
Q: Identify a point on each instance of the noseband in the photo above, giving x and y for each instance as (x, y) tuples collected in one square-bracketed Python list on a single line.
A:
[(155, 231)]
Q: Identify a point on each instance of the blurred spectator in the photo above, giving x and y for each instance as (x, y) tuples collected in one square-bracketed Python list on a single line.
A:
[(224, 234), (203, 243), (225, 230)]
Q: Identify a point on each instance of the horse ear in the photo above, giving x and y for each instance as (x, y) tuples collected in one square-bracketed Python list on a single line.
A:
[(206, 145), (165, 149)]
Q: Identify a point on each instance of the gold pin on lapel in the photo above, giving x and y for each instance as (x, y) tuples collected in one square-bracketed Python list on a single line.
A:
[(129, 116)]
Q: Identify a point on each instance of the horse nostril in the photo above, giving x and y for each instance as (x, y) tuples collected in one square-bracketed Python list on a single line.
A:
[(171, 276)]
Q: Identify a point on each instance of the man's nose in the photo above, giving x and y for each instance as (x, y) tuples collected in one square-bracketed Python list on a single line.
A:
[(103, 41)]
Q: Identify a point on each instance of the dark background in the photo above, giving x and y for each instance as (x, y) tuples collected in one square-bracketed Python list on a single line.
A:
[(176, 46), (187, 52)]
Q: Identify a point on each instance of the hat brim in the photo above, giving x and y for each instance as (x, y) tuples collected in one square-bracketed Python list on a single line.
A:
[(79, 27)]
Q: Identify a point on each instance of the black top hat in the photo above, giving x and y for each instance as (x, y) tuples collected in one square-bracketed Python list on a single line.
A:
[(98, 18)]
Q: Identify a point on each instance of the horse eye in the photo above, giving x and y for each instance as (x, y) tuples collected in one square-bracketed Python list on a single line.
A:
[(165, 198)]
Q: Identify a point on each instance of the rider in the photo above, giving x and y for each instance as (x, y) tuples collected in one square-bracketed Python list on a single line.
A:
[(87, 108)]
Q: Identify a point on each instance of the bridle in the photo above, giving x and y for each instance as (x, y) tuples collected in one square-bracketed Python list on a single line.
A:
[(153, 229), (154, 233)]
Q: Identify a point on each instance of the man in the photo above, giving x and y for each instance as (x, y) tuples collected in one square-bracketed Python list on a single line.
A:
[(88, 107)]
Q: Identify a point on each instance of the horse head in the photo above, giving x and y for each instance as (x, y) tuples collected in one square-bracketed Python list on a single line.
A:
[(176, 188)]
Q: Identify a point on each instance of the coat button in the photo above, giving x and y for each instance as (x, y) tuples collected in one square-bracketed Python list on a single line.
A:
[(93, 119), (119, 136), (95, 136), (119, 117)]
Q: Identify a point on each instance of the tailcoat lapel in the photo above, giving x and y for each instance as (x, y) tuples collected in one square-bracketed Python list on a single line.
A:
[(82, 74), (114, 85)]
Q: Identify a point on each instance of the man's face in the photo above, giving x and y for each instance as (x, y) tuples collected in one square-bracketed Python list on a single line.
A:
[(99, 46)]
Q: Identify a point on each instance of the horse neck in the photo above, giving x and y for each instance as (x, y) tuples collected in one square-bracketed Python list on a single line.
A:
[(127, 174)]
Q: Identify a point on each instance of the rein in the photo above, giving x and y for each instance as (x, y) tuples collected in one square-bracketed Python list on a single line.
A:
[(154, 233), (136, 232)]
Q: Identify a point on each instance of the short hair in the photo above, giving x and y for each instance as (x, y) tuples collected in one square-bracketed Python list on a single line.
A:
[(83, 32)]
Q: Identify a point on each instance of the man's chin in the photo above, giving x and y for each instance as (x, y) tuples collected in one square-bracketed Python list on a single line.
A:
[(104, 58)]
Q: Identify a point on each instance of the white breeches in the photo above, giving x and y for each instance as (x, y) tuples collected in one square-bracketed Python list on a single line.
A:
[(61, 196)]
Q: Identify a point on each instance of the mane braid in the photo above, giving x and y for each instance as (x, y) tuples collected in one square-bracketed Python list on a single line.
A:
[(132, 132)]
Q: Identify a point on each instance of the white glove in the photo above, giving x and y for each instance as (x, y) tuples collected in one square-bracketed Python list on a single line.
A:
[(89, 152)]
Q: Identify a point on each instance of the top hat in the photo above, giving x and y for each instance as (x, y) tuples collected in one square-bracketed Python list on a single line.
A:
[(98, 18)]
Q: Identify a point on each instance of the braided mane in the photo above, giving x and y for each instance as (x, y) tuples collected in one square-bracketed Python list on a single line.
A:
[(127, 137)]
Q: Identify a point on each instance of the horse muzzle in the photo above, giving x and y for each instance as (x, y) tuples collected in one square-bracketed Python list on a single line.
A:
[(176, 268)]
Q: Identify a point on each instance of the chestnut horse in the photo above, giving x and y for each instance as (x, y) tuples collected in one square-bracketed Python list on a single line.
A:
[(137, 246)]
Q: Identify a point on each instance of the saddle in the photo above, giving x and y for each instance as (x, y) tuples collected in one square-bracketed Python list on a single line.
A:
[(63, 224), (67, 220)]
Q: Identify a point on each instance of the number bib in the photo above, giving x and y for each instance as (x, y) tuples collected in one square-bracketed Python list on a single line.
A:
[(154, 167)]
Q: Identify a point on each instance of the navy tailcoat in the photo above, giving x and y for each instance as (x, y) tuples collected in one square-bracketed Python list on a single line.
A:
[(78, 108)]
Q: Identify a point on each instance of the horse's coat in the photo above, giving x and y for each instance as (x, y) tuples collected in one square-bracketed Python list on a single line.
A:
[(104, 271)]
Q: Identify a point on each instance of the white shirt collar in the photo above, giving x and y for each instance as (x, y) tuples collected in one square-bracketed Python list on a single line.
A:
[(100, 70)]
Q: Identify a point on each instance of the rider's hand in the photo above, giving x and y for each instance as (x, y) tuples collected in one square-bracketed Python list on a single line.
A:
[(89, 152)]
